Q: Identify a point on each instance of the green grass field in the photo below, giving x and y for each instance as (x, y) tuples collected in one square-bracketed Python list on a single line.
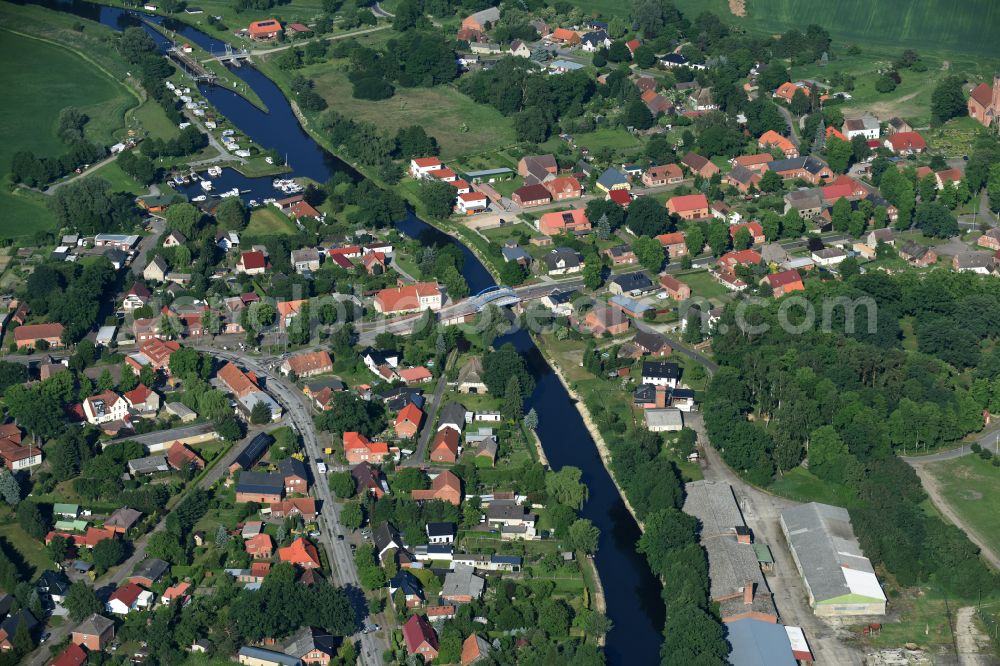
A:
[(120, 181), (926, 25), (971, 485), (802, 486), (703, 285), (268, 221)]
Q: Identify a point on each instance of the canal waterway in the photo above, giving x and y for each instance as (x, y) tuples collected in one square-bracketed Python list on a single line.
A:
[(632, 593)]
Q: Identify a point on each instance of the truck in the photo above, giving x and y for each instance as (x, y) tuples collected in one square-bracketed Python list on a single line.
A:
[(321, 467)]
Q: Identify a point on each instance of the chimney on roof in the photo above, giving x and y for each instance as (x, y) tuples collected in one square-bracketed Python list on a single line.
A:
[(661, 397), (747, 593)]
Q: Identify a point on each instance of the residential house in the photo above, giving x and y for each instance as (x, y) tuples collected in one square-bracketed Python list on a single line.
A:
[(153, 352), (53, 585), (529, 196), (672, 60), (630, 284), (265, 30), (485, 48), (237, 382), (621, 255), (148, 465), (562, 261), (613, 179), (128, 598), (771, 139), (252, 263), (10, 627), (564, 187), (149, 572), (897, 124), (470, 376), (259, 546), (990, 239), (445, 487), (877, 236), (410, 298), (137, 296), (122, 520), (667, 174), (314, 646), (445, 447), (537, 168), (294, 475), (742, 179), (420, 637), (453, 415), (156, 270), (180, 454), (702, 100), (305, 259), (689, 206), (906, 143), (661, 373), (482, 20), (699, 166), (174, 239), (385, 538), (984, 102), (808, 203), (754, 228), (307, 364), (674, 243), (756, 163), (15, 455), (650, 343), (296, 506), (475, 649), (784, 282), (471, 202), (409, 420), (595, 41), (603, 318), (259, 487), (142, 401), (31, 335), (656, 103), (358, 449), (438, 533), (867, 126), (369, 480), (948, 178), (105, 407), (520, 49), (301, 553), (675, 289), (512, 519), (409, 587), (462, 587), (564, 36), (95, 633), (983, 263), (786, 91), (560, 301), (73, 655), (810, 169), (830, 256), (420, 167)]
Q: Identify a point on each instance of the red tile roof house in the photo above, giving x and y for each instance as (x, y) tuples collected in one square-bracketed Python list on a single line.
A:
[(443, 174), (301, 553), (128, 598), (31, 334), (174, 592), (374, 262), (104, 408), (667, 174), (689, 206), (727, 267), (906, 143), (308, 364), (674, 244), (786, 91), (621, 197), (252, 263), (531, 195), (621, 255), (417, 375), (566, 187), (675, 289), (409, 420), (181, 454), (295, 506), (784, 282), (153, 352), (984, 102), (142, 401), (421, 166), (238, 382), (699, 166), (358, 448), (757, 163), (948, 177), (471, 203), (771, 139), (755, 229), (571, 221), (74, 655), (411, 298), (444, 448), (420, 637), (632, 45), (445, 487), (264, 30), (259, 547)]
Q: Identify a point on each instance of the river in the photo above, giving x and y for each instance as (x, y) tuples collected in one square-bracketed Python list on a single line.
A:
[(632, 593)]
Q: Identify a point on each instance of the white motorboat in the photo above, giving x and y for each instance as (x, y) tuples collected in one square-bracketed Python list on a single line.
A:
[(206, 185)]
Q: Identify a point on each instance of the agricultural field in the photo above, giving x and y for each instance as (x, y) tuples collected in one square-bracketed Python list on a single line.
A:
[(926, 25)]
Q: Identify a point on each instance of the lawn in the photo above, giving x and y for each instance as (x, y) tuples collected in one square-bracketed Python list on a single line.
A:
[(120, 181), (24, 213), (31, 551), (268, 221), (615, 139), (802, 486), (462, 127), (971, 485), (150, 117), (703, 285)]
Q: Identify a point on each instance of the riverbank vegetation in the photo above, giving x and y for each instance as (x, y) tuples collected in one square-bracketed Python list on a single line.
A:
[(852, 398)]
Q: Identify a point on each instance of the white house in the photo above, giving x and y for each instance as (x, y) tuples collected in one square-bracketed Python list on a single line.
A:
[(421, 166), (830, 256), (661, 373), (866, 126), (471, 202), (128, 598), (105, 407)]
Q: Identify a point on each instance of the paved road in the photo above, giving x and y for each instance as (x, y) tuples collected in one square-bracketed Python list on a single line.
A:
[(434, 402), (679, 347), (792, 134), (338, 553), (148, 243), (381, 13)]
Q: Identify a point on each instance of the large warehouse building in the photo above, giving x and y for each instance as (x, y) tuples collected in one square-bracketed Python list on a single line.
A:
[(839, 578)]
